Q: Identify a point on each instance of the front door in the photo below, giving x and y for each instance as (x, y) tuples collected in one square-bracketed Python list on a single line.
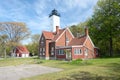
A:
[(68, 54)]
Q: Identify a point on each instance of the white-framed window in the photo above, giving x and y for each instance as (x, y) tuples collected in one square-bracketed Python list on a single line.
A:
[(42, 38), (43, 49), (86, 52), (52, 48), (42, 42), (67, 40), (77, 51), (61, 52), (52, 51), (43, 53)]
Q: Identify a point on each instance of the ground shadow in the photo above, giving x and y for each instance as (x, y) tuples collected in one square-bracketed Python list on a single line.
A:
[(88, 76)]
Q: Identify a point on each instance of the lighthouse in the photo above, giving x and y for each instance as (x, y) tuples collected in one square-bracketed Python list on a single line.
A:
[(54, 19)]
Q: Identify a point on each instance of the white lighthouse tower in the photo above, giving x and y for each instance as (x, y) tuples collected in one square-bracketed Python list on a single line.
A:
[(54, 19)]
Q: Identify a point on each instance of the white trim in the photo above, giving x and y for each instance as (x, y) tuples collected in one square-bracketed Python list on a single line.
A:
[(60, 36), (81, 52), (58, 47), (91, 41), (88, 37), (85, 41), (77, 46), (63, 33), (40, 36), (70, 32)]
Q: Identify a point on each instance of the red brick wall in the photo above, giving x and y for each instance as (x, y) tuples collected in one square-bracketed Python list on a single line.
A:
[(90, 48), (61, 56), (42, 45), (62, 40), (77, 56)]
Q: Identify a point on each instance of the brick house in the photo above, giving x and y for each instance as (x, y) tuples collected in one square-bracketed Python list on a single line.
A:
[(61, 44)]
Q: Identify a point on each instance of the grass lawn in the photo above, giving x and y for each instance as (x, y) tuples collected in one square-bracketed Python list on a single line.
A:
[(15, 61), (95, 69)]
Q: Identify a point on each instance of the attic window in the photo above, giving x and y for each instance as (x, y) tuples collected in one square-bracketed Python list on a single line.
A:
[(42, 38), (67, 39)]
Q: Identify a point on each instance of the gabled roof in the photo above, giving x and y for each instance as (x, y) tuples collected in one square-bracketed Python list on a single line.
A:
[(48, 35), (22, 49), (52, 35), (77, 41), (58, 35)]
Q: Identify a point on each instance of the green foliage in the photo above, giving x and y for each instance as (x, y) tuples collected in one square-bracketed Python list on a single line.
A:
[(11, 34), (34, 45), (77, 29), (78, 61), (105, 26), (38, 62)]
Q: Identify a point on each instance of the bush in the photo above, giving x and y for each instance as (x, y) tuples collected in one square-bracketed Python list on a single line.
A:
[(77, 61)]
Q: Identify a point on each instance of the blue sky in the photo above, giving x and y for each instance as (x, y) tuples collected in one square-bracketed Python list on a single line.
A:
[(35, 12)]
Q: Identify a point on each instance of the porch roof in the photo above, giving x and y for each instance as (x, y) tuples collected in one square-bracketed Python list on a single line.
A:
[(64, 47)]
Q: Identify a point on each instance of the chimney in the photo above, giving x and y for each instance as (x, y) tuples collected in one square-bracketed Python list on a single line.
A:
[(57, 29), (86, 31)]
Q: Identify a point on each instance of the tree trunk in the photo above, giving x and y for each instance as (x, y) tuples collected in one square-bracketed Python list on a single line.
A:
[(111, 47), (5, 52)]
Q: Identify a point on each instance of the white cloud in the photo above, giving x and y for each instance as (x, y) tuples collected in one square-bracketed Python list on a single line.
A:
[(35, 13), (39, 23), (39, 6)]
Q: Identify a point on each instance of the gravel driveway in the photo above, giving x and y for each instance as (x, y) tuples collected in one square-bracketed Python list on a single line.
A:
[(22, 71)]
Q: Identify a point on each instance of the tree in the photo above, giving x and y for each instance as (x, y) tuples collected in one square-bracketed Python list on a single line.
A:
[(15, 32), (78, 29), (34, 45), (3, 40), (105, 24)]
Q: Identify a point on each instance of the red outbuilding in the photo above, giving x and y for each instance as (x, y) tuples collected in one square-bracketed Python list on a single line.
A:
[(21, 51)]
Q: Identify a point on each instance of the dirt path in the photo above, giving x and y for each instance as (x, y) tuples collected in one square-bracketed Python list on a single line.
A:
[(22, 71)]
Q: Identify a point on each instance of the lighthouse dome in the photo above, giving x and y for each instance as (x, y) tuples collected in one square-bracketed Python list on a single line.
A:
[(54, 12)]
